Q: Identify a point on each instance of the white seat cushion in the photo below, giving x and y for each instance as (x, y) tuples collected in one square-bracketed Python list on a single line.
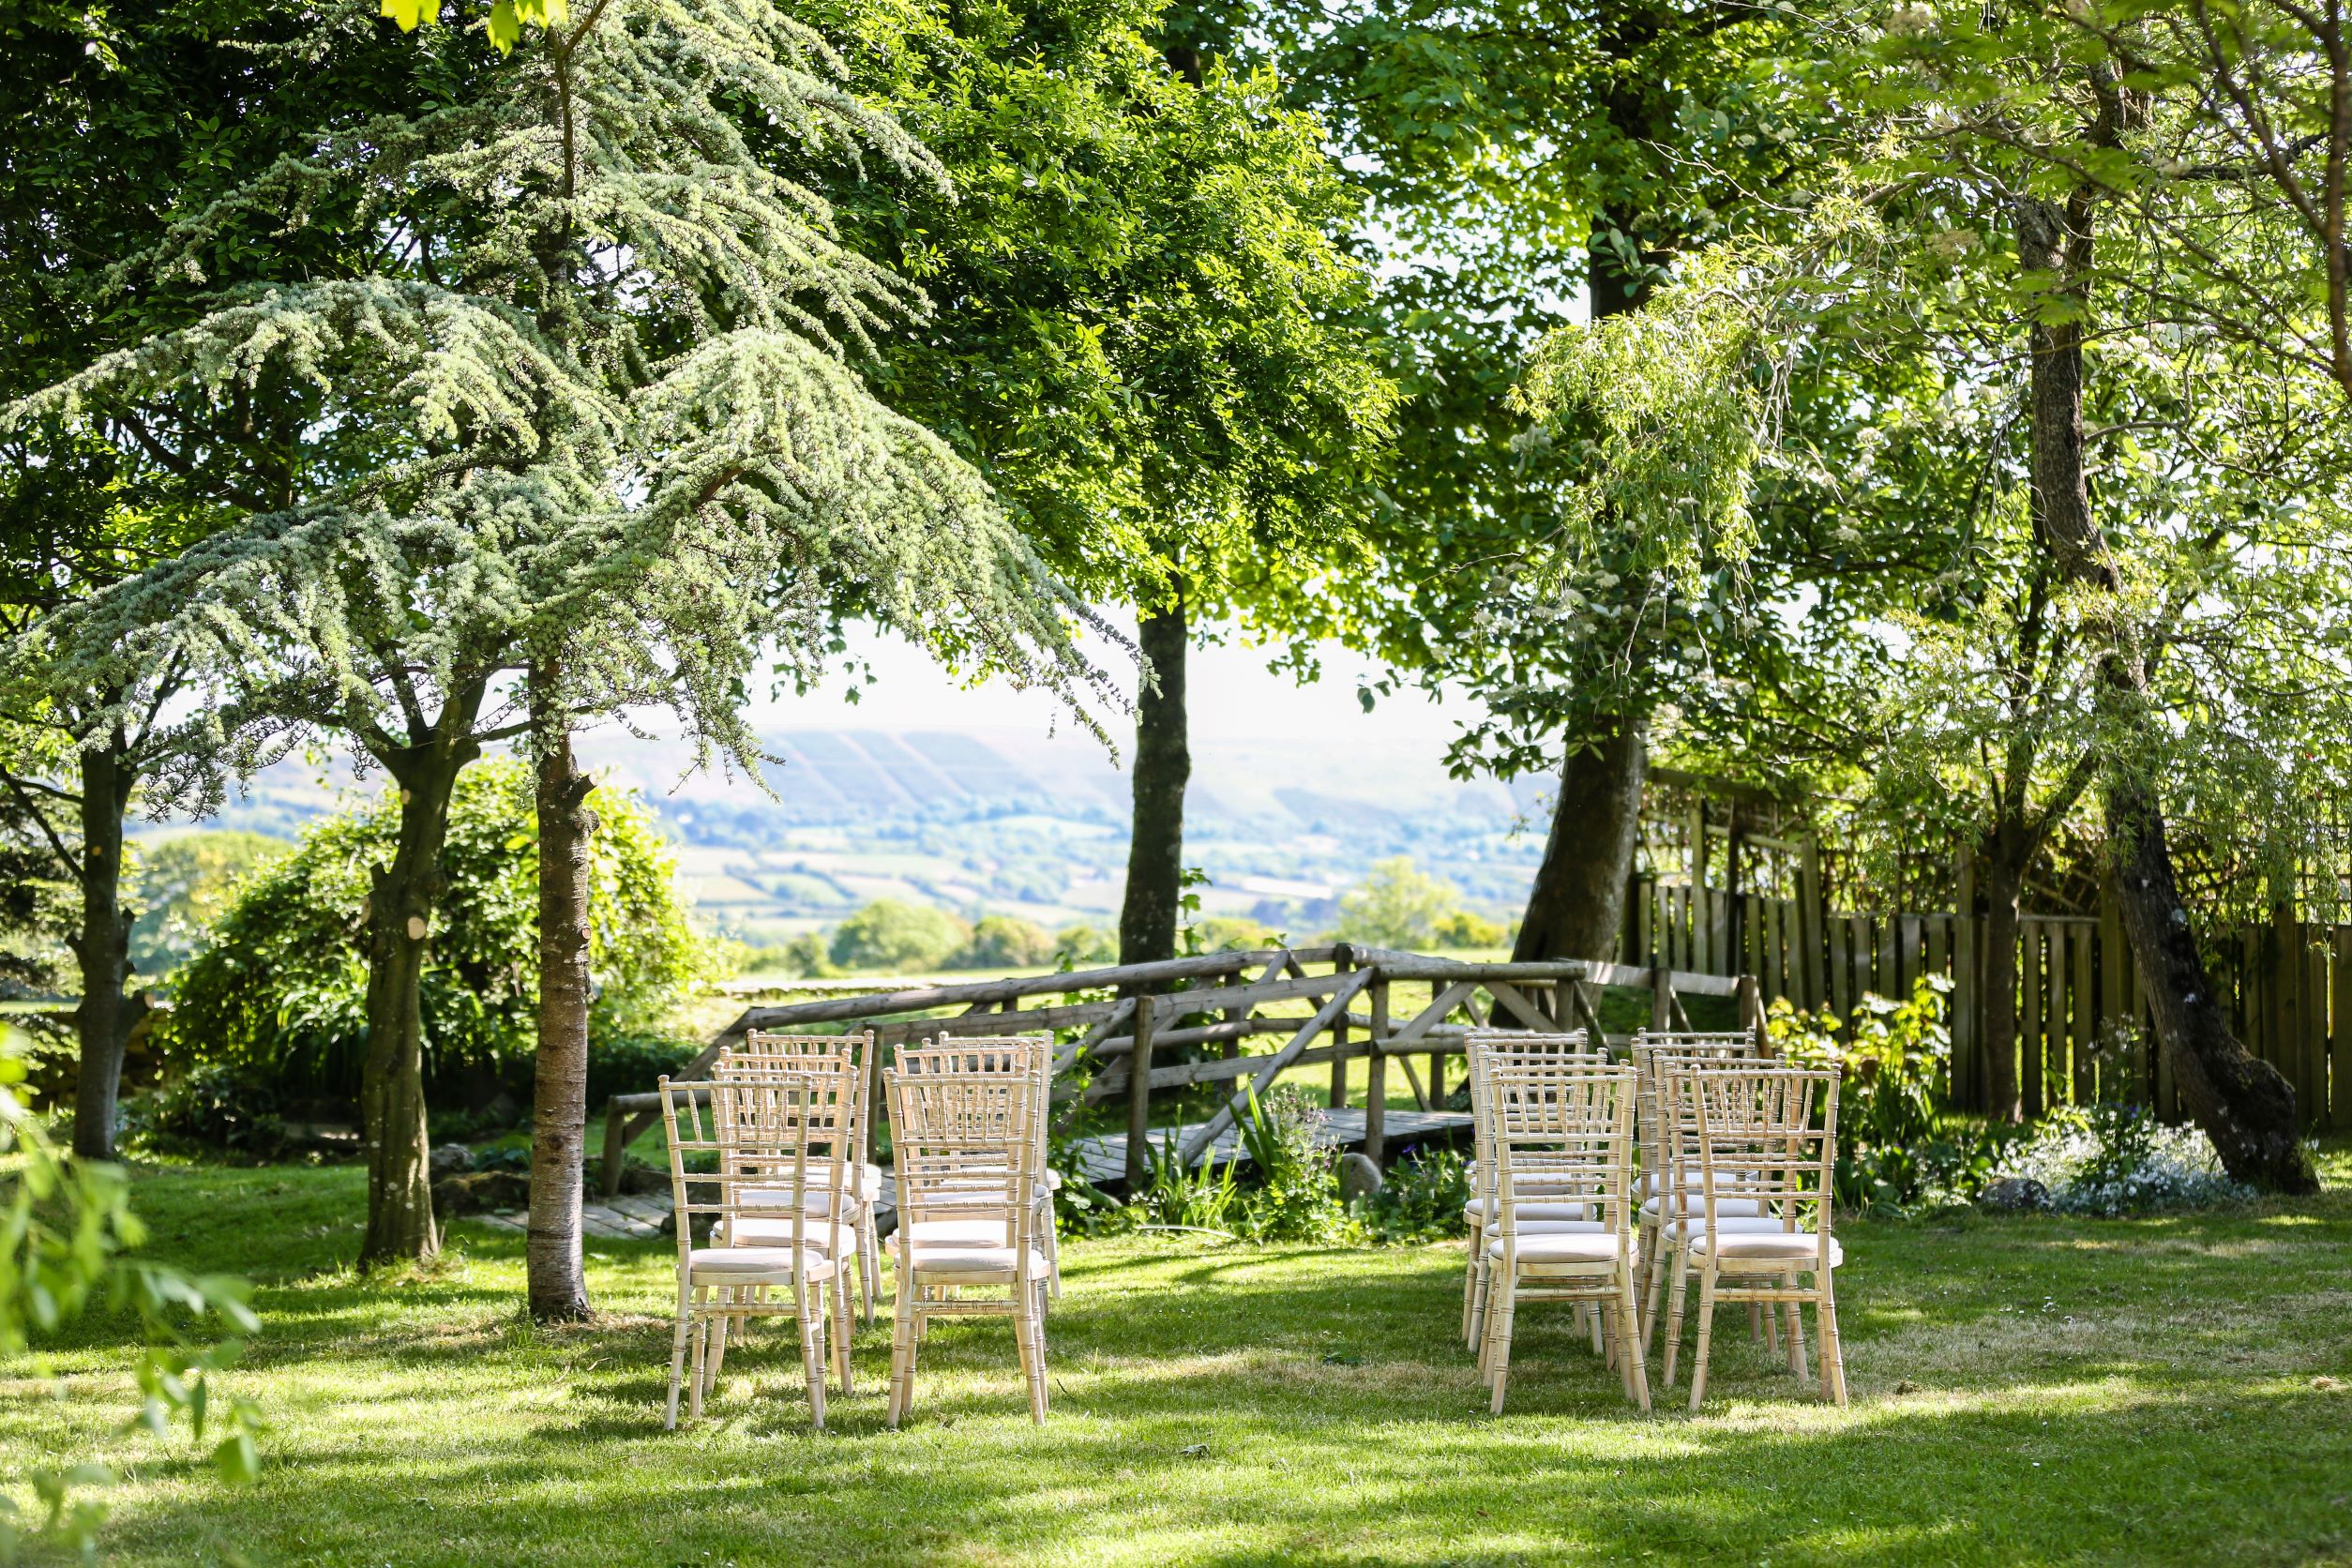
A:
[(1581, 1249), (1551, 1227), (756, 1264), (1476, 1208), (1730, 1224), (1798, 1246), (973, 1264), (754, 1231), (1697, 1205), (958, 1232)]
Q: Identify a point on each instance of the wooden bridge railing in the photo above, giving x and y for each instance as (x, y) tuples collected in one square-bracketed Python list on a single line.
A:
[(1119, 1018)]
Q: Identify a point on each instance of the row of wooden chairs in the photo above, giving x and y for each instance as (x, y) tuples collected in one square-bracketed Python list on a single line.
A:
[(776, 1198), (1611, 1185)]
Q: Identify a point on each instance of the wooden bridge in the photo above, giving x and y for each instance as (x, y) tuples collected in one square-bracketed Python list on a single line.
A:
[(1118, 1031)]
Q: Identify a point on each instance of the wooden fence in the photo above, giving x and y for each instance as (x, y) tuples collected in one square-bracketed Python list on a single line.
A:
[(1124, 1032), (2082, 1018)]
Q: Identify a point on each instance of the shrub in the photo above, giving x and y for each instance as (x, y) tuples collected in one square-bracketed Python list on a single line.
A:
[(1294, 1192), (1007, 942), (1396, 906), (1420, 1200), (280, 990), (1463, 928), (2112, 1160), (894, 937), (1225, 933), (1083, 947), (625, 1062), (1896, 1056), (220, 1106), (182, 885)]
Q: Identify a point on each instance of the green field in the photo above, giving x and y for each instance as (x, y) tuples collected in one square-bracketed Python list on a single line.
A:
[(2172, 1390)]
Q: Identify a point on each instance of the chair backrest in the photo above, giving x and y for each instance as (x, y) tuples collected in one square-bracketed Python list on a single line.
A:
[(1562, 1130), (964, 1147), (1486, 1047), (765, 1052), (1755, 1134), (756, 1135), (1656, 1049)]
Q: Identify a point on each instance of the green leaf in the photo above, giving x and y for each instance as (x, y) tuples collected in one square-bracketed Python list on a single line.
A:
[(506, 26), (408, 14)]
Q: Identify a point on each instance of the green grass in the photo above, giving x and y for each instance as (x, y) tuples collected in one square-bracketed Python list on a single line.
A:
[(2024, 1390)]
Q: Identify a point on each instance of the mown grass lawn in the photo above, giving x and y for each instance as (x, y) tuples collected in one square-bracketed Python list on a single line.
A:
[(2172, 1390)]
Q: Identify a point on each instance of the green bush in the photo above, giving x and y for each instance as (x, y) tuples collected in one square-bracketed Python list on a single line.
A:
[(182, 886), (218, 1107), (1463, 928), (1293, 1193), (1421, 1197), (1007, 942), (895, 938), (280, 989), (623, 1062), (1084, 948)]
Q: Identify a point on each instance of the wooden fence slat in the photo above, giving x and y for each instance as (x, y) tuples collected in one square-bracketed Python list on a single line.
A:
[(2085, 1016), (1840, 967), (1890, 959), (2340, 1053), (2314, 970), (2058, 1078), (1967, 1052), (2029, 1014)]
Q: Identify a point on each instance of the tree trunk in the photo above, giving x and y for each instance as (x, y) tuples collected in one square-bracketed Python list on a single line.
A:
[(103, 1023), (2003, 881), (400, 906), (2242, 1103), (557, 1285), (1163, 766), (1576, 909)]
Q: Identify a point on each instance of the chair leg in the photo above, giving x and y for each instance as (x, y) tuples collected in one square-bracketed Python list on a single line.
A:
[(1676, 1302), (1706, 1333), (809, 1307), (1795, 1313), (902, 1351), (842, 1323), (701, 1352), (1630, 1347), (1469, 1287), (1832, 1349), (678, 1353), (868, 1264), (1498, 1314), (1656, 1276), (719, 1342)]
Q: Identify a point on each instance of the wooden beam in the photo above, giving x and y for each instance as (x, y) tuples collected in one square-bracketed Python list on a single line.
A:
[(1207, 1132), (927, 998), (1140, 1095), (1430, 1017)]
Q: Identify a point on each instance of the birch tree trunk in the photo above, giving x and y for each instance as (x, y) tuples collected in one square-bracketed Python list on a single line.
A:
[(557, 1285)]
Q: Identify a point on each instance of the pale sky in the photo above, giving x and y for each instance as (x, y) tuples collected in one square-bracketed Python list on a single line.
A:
[(1231, 696)]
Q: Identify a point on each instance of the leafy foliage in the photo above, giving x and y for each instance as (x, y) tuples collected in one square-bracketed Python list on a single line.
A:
[(182, 886), (280, 990), (67, 1239), (1293, 1191), (1420, 1198), (890, 937), (2112, 1160)]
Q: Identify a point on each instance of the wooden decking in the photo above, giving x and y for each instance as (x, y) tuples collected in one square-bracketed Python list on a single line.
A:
[(1103, 1161)]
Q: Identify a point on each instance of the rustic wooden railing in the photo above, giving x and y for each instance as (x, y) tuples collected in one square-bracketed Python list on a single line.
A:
[(1123, 1016)]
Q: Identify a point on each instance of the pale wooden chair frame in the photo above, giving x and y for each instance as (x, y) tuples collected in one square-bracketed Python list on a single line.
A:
[(1663, 1196), (1755, 1136), (766, 1051), (1480, 1048), (748, 1132), (1563, 1127), (964, 1151), (1030, 1054)]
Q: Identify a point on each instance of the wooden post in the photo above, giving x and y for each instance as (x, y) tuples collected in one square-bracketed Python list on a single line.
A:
[(1339, 1044), (1735, 936), (1702, 948), (1377, 1041), (616, 1146), (1752, 1007), (1375, 1109), (1967, 1066), (1812, 955), (1660, 998), (1139, 1097)]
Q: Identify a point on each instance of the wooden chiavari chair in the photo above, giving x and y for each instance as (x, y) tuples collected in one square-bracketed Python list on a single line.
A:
[(1564, 1127), (761, 1053), (1756, 1139), (965, 1158), (754, 1137)]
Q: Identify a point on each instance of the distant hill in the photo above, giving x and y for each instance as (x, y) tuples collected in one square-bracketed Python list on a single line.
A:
[(1028, 825)]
